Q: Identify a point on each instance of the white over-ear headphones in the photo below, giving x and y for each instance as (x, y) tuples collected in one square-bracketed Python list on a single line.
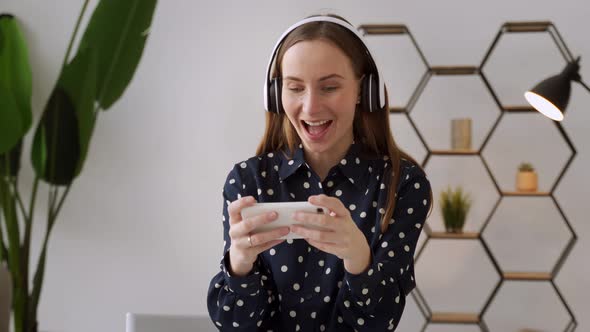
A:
[(372, 86)]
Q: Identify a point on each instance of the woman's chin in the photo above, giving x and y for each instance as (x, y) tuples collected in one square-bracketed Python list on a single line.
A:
[(317, 147)]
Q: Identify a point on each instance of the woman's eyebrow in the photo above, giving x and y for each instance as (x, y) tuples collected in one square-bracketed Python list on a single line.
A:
[(323, 78)]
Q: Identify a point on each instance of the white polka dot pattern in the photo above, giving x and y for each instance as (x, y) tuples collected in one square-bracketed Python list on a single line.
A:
[(293, 276)]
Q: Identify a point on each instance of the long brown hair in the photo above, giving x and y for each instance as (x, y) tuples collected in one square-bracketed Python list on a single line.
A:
[(371, 129)]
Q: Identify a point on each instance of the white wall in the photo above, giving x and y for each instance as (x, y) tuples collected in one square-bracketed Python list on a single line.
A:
[(141, 229)]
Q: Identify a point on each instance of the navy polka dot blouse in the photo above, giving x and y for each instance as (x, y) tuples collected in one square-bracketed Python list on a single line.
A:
[(296, 287)]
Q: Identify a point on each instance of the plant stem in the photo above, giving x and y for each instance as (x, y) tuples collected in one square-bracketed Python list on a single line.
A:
[(51, 202), (61, 201), (39, 274), (2, 248), (28, 233), (67, 56), (19, 200), (32, 202)]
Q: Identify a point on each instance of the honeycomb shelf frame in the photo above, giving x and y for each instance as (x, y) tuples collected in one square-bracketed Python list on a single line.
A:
[(478, 317)]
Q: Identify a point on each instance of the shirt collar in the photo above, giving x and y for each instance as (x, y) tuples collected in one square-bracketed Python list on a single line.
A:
[(289, 166), (353, 166)]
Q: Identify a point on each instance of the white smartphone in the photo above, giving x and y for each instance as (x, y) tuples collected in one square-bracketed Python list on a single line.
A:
[(285, 212)]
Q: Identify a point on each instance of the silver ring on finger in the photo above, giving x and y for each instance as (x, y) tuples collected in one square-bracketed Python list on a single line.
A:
[(250, 240)]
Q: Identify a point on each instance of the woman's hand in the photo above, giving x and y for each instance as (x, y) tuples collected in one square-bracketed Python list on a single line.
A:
[(244, 247), (339, 235)]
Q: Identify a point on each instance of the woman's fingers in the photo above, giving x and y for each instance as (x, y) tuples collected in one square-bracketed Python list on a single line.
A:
[(268, 245), (265, 237), (249, 224), (240, 231), (325, 236), (331, 203), (234, 209), (316, 219)]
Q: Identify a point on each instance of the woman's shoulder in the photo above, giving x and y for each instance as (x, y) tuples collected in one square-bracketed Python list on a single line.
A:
[(259, 165), (410, 172)]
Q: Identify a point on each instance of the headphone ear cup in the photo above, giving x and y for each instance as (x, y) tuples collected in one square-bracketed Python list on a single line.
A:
[(376, 103), (369, 93), (274, 92)]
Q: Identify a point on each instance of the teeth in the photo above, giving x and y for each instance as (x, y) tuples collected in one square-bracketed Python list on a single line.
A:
[(314, 124)]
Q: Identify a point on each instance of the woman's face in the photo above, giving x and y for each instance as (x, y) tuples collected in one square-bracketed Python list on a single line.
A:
[(319, 95)]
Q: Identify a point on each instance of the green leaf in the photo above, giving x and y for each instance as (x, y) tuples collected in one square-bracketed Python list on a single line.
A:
[(10, 161), (63, 136), (118, 31), (79, 80), (15, 85), (10, 120), (56, 148)]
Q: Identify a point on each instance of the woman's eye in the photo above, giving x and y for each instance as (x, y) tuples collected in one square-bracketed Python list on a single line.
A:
[(330, 88), (295, 89)]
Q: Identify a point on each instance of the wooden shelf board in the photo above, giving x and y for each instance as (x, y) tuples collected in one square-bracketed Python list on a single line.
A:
[(454, 317), (384, 29), (525, 193), (454, 152), (445, 235), (397, 110), (454, 70), (532, 26), (527, 275)]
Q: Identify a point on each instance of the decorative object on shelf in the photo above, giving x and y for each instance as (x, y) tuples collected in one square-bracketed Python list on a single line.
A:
[(526, 178), (90, 80), (5, 296), (461, 134), (551, 96), (454, 205)]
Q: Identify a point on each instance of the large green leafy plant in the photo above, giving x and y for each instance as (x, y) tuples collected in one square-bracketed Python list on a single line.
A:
[(90, 81)]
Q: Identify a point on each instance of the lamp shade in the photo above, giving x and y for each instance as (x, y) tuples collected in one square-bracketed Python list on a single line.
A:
[(551, 96)]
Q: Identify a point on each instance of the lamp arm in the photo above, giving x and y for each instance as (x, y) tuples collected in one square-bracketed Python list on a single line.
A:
[(584, 85)]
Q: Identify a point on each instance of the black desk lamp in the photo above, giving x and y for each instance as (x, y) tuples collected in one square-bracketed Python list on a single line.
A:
[(550, 97)]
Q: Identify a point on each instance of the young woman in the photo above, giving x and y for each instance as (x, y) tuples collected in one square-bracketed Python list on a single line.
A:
[(327, 141)]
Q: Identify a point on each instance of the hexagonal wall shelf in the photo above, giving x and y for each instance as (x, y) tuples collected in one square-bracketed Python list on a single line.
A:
[(464, 280), (405, 136), (471, 174), (538, 298), (542, 223), (438, 103), (525, 147), (435, 95)]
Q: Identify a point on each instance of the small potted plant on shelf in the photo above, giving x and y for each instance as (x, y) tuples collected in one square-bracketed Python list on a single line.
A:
[(455, 205), (526, 178)]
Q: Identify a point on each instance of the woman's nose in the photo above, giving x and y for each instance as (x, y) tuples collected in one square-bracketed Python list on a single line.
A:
[(311, 103)]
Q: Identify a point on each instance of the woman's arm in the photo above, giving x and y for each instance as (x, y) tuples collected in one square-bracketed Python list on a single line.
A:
[(239, 302), (374, 300)]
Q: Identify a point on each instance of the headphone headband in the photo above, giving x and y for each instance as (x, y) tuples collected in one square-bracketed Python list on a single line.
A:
[(330, 19)]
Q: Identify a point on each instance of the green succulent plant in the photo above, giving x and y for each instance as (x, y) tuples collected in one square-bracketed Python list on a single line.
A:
[(455, 205), (526, 167)]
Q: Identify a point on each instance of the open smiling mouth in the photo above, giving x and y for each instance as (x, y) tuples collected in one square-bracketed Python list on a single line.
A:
[(316, 130)]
